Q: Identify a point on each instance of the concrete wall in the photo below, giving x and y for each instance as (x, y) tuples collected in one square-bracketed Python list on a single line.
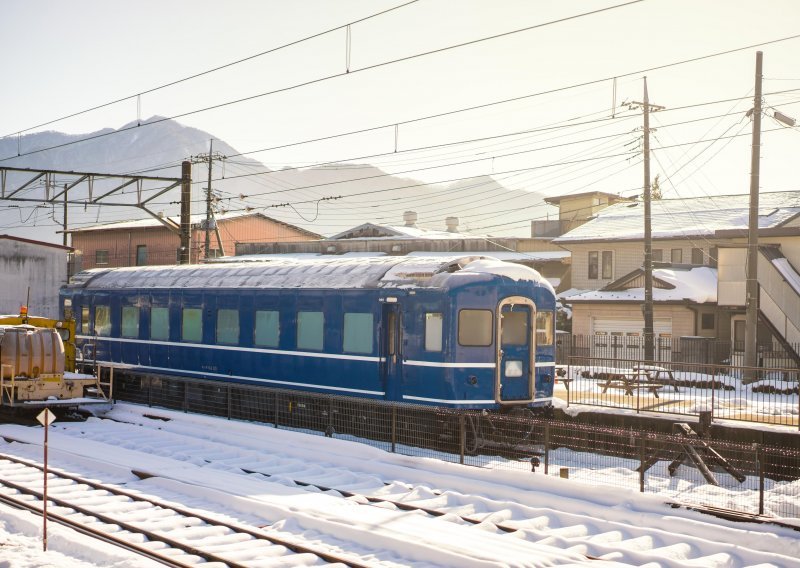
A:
[(41, 266)]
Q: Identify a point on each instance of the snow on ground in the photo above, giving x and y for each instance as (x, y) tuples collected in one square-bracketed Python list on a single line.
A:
[(201, 461)]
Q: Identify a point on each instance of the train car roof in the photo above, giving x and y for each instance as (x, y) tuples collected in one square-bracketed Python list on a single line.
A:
[(328, 273)]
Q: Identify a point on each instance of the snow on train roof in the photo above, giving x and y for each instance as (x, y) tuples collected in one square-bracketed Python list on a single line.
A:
[(374, 272)]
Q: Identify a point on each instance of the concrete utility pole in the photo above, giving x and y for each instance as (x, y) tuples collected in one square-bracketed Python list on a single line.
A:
[(751, 299), (208, 197), (647, 308), (210, 220), (66, 235)]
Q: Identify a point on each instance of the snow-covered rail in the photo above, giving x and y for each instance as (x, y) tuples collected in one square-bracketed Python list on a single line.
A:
[(172, 535)]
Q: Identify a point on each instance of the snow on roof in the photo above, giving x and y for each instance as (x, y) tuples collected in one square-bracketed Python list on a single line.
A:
[(193, 219), (398, 232), (697, 284), (506, 255), (323, 273), (681, 217)]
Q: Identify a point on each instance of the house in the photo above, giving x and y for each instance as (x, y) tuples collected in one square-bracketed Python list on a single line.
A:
[(409, 239), (31, 273), (687, 234), (149, 242)]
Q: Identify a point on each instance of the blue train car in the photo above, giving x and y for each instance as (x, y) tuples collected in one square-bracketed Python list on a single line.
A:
[(470, 332)]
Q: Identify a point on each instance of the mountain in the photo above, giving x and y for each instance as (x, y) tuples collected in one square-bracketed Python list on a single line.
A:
[(325, 199)]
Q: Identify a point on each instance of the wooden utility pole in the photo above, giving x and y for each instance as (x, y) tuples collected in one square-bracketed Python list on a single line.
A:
[(186, 210), (647, 308), (751, 298)]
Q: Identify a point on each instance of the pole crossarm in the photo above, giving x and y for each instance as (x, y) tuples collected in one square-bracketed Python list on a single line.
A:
[(72, 180)]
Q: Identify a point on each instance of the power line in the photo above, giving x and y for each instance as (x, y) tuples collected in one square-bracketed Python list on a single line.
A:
[(214, 69), (415, 56)]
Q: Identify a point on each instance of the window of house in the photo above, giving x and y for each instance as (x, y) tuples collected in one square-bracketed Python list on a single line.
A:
[(658, 255), (594, 266), (707, 321), (475, 327), (358, 333), (85, 320), (130, 321), (515, 328), (544, 327), (608, 264), (192, 324), (101, 256), (697, 256), (676, 256), (214, 253), (141, 255), (433, 331), (228, 327), (159, 324), (713, 254), (310, 326), (102, 320), (267, 331)]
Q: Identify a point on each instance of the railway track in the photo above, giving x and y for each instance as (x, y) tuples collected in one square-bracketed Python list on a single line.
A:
[(255, 460), (150, 527)]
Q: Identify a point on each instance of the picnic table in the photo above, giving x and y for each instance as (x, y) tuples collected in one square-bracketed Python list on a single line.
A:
[(630, 380), (660, 375)]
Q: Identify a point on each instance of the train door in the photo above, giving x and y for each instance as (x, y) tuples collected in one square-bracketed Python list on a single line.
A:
[(390, 349), (516, 345)]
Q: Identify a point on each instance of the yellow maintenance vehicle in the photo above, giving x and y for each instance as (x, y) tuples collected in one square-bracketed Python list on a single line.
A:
[(38, 365)]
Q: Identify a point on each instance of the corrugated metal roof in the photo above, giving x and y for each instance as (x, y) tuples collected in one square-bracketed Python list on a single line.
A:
[(673, 218)]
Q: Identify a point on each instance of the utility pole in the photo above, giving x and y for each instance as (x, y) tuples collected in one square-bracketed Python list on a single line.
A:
[(186, 210), (208, 197), (751, 299), (647, 308), (210, 221), (65, 214)]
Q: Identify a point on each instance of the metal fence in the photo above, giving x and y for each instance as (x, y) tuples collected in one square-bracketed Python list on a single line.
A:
[(749, 478), (765, 394), (668, 349)]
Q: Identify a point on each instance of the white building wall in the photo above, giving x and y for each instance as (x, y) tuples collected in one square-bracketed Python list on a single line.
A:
[(25, 264)]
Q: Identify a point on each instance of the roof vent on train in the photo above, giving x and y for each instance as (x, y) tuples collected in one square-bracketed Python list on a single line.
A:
[(452, 224), (410, 218)]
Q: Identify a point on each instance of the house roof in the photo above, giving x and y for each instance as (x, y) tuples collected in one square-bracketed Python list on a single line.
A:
[(194, 220), (556, 199), (696, 284), (376, 231), (32, 242), (673, 218)]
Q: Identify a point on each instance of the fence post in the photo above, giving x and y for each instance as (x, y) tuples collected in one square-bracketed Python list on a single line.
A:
[(546, 447), (462, 435), (642, 459), (394, 427), (761, 468)]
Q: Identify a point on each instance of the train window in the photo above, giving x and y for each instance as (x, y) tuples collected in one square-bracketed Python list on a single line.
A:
[(515, 328), (130, 321), (267, 332), (433, 331), (475, 328), (102, 320), (228, 327), (192, 329), (544, 327), (358, 333), (159, 323), (85, 320), (310, 326)]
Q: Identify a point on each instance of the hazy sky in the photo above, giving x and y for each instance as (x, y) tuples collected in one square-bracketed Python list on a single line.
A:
[(64, 57)]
